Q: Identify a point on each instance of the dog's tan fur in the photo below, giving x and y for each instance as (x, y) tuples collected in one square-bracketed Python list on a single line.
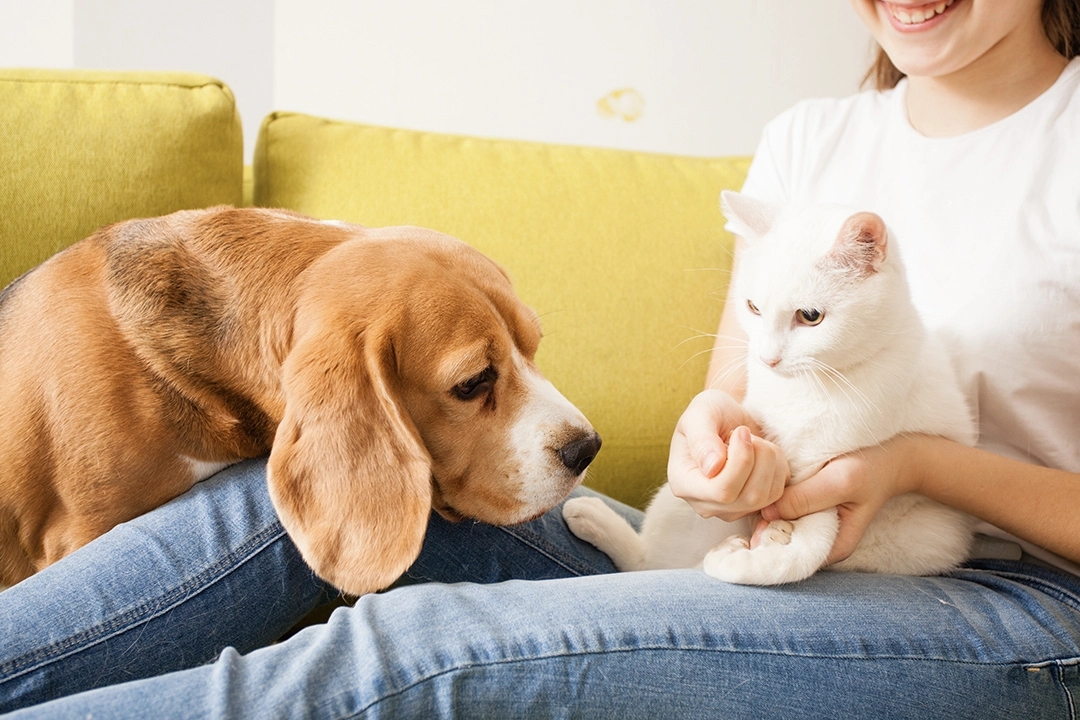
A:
[(138, 359)]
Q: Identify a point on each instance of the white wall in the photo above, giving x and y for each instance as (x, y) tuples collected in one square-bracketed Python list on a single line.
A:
[(36, 33), (709, 72), (228, 39), (696, 77)]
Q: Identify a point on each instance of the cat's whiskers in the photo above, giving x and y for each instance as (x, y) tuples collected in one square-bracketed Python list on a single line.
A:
[(836, 375), (697, 354), (726, 371), (733, 343), (863, 410), (808, 372), (698, 335)]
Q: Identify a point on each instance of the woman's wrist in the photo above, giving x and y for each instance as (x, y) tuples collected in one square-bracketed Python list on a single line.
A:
[(926, 461), (912, 456)]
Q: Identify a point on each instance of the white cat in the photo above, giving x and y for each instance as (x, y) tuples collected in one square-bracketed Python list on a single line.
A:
[(837, 360)]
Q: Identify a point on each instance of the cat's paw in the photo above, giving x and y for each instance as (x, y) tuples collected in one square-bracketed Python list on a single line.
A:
[(785, 552), (733, 543), (766, 559), (586, 516), (733, 561), (778, 532), (590, 519)]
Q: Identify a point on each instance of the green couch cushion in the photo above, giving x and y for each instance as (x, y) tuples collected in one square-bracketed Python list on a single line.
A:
[(621, 253), (80, 149)]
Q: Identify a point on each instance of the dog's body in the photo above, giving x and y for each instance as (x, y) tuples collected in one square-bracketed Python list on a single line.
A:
[(386, 371)]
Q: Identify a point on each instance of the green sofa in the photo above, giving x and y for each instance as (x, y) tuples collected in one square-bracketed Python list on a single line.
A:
[(622, 254)]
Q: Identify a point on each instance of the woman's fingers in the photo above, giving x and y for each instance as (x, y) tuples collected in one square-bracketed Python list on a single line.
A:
[(853, 523), (708, 419), (853, 484), (753, 475), (835, 484)]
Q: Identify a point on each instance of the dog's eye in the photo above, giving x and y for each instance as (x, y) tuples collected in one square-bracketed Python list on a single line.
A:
[(476, 386)]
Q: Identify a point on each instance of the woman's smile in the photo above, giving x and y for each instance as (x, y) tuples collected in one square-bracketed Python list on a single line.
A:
[(914, 18)]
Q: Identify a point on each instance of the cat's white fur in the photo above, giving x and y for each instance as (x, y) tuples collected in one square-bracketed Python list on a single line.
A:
[(867, 372)]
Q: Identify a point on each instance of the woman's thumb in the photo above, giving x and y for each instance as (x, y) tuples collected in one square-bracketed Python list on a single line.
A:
[(796, 502)]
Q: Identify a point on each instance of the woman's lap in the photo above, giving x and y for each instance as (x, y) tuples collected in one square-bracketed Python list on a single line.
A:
[(642, 644), (214, 569), (153, 595), (672, 643)]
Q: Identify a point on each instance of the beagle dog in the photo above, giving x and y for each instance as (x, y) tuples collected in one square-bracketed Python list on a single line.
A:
[(385, 371)]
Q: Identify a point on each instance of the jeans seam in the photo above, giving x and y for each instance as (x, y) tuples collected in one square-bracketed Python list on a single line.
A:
[(1059, 674), (663, 648), (1059, 594), (549, 550), (1047, 587), (146, 611)]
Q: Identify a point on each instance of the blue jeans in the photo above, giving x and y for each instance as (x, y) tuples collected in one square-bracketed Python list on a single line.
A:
[(204, 581)]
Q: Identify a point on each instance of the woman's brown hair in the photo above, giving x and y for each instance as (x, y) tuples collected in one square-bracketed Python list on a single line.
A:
[(1061, 20)]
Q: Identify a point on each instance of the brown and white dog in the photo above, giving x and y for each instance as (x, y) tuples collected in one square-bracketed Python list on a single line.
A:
[(385, 371)]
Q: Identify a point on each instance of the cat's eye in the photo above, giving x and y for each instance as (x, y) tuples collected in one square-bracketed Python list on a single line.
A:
[(809, 316), (753, 307)]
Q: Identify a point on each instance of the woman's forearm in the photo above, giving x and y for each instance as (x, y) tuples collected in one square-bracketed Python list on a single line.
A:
[(1038, 504), (727, 364)]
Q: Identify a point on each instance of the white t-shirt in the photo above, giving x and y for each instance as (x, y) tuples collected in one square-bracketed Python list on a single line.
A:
[(989, 228)]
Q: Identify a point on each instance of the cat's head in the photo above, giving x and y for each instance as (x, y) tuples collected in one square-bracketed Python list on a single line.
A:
[(815, 284)]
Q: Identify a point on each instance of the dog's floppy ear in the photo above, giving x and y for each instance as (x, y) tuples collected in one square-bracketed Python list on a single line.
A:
[(348, 475)]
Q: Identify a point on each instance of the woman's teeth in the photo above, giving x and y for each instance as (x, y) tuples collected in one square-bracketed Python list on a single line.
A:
[(914, 16)]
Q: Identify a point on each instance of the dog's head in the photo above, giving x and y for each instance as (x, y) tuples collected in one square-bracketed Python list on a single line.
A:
[(410, 385)]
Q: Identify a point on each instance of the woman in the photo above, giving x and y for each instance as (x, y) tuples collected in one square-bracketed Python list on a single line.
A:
[(990, 63), (972, 159)]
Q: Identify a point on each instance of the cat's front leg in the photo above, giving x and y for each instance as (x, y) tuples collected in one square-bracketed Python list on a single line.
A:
[(784, 552), (593, 521)]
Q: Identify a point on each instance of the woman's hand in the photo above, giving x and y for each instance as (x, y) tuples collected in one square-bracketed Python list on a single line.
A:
[(856, 484), (718, 466)]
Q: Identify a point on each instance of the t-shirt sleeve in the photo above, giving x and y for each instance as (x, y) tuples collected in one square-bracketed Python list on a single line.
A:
[(767, 179)]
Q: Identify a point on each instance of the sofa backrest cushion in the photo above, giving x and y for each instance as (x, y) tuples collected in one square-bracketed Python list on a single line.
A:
[(81, 149), (621, 253)]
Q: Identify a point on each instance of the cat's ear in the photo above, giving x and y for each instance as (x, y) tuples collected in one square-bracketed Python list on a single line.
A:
[(861, 244), (747, 217)]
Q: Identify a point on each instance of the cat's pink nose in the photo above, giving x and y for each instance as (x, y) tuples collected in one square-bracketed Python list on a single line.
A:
[(770, 361)]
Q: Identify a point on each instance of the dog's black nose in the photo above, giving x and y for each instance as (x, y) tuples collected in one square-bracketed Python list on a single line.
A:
[(577, 454)]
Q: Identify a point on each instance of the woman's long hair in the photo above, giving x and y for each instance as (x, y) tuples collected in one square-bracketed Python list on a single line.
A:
[(1061, 20)]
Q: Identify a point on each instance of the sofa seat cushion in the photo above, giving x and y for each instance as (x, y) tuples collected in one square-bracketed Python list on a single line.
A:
[(621, 253), (80, 149)]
